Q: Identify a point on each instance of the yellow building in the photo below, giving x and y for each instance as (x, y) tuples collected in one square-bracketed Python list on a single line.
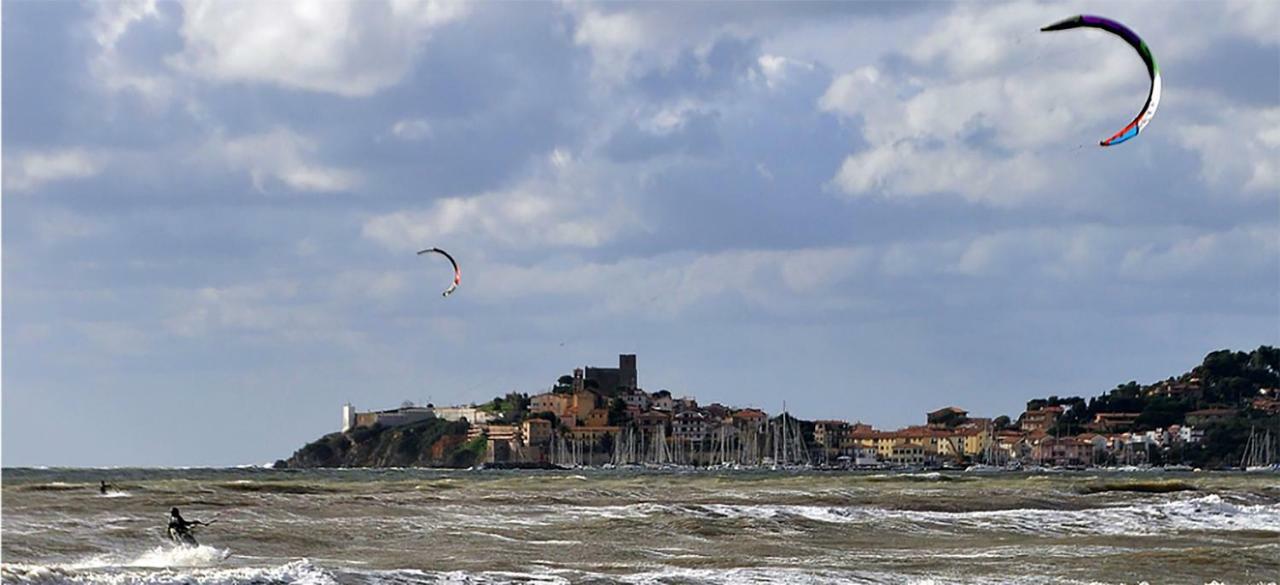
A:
[(595, 418), (536, 431), (911, 453), (584, 401), (900, 444), (590, 433), (549, 402)]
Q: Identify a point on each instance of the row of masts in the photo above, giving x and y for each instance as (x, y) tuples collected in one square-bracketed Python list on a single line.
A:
[(1260, 452), (778, 443)]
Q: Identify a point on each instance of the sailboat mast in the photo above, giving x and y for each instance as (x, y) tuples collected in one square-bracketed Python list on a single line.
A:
[(786, 446)]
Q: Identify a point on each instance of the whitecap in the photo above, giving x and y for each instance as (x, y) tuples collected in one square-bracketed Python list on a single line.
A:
[(181, 556), (300, 572)]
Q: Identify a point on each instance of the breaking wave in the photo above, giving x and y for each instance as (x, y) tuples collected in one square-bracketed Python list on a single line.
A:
[(402, 527), (297, 573), (1209, 512), (162, 565)]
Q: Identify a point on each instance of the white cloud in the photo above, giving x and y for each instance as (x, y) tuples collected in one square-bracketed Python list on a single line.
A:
[(28, 171), (1239, 150), (1240, 250), (1257, 20), (411, 129), (519, 217), (111, 22), (990, 112), (615, 41), (851, 94), (1094, 253), (260, 306), (904, 170), (284, 156), (628, 41), (566, 204), (981, 40), (1050, 259), (352, 49), (661, 286), (776, 68), (561, 158)]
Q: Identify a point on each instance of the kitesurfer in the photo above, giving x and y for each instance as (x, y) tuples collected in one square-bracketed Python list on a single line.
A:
[(180, 529)]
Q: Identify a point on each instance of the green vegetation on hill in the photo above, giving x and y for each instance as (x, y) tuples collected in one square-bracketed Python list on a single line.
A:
[(429, 443), (1224, 380), (512, 408)]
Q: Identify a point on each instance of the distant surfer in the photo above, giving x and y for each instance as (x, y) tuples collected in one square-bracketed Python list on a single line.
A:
[(102, 487), (180, 529)]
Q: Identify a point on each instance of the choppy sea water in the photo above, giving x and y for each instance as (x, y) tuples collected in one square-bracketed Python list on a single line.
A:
[(430, 526)]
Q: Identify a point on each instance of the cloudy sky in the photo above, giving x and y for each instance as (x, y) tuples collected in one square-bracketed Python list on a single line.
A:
[(211, 209)]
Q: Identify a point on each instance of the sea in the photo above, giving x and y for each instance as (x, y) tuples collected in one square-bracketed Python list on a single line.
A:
[(408, 526)]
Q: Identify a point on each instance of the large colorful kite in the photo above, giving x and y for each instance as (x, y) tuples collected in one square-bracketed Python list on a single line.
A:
[(1122, 31)]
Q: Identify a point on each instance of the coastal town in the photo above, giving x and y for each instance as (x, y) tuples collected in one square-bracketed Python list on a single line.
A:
[(600, 416)]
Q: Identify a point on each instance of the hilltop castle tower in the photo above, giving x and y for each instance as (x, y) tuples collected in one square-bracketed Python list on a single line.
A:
[(613, 381)]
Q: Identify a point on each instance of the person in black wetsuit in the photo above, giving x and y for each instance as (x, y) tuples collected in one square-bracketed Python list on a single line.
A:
[(102, 488), (180, 528)]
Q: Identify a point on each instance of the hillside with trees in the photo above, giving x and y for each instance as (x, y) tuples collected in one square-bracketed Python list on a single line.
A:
[(428, 443), (1239, 388)]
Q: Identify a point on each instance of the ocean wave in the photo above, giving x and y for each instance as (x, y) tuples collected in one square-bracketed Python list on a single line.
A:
[(55, 486), (156, 558), (913, 476), (805, 576), (304, 572), (1139, 486), (667, 574), (279, 487), (1205, 513), (295, 573)]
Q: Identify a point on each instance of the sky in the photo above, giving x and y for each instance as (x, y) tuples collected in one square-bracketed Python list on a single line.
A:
[(866, 210)]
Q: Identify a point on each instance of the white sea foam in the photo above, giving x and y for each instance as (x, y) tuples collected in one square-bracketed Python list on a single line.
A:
[(157, 558), (1204, 513), (181, 556), (298, 572), (789, 575), (403, 576)]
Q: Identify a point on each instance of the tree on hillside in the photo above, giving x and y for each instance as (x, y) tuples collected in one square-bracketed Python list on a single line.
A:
[(547, 416), (1265, 358), (617, 412), (1162, 411), (948, 418), (1226, 378)]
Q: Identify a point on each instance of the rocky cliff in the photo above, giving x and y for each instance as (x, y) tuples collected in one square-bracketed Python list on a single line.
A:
[(429, 443)]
